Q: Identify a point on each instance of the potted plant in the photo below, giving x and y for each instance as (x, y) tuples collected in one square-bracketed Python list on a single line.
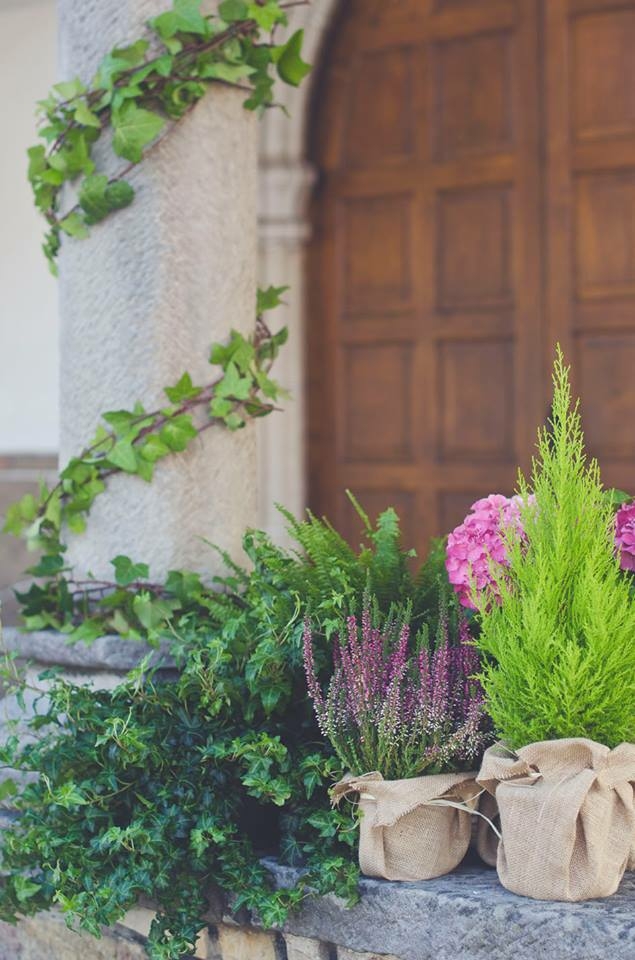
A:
[(557, 638), (405, 716)]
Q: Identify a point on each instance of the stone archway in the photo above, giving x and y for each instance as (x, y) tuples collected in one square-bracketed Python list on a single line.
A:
[(285, 182)]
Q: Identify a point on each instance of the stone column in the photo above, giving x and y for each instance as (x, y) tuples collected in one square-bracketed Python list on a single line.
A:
[(143, 298)]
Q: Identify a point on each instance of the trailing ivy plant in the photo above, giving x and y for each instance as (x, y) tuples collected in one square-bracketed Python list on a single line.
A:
[(140, 90), (132, 442), (163, 789)]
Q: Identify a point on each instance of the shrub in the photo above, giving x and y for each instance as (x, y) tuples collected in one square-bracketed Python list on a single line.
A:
[(558, 629), (161, 789)]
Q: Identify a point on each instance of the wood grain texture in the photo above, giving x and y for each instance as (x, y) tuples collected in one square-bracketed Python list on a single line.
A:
[(476, 204)]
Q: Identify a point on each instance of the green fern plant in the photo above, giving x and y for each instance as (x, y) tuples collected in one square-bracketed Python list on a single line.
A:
[(560, 644)]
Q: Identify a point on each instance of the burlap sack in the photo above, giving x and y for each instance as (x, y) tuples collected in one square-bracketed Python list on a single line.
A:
[(486, 829), (567, 816), (409, 829)]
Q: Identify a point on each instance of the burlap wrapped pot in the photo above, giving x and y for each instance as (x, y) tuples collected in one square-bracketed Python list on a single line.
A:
[(412, 829), (486, 829), (567, 816)]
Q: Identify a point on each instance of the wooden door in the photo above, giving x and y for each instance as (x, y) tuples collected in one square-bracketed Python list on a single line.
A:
[(590, 225), (473, 207)]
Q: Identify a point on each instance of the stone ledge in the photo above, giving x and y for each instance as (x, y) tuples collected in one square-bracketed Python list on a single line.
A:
[(110, 653), (467, 915)]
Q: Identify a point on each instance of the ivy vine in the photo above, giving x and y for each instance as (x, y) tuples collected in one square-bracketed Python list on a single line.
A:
[(133, 442), (138, 89)]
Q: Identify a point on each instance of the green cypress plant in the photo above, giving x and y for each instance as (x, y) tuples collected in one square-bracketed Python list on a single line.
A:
[(559, 639)]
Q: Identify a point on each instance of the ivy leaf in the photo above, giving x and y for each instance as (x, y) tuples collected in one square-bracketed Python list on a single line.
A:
[(220, 407), (233, 385), (98, 197), (152, 611), (183, 390), (121, 420), (185, 17), (232, 10), (267, 14), (233, 421), (178, 432), (119, 194), (24, 888), (84, 115), (37, 161), (74, 226), (229, 72), (154, 449), (291, 68), (134, 129), (73, 157), (269, 299), (126, 572), (8, 788), (69, 89), (123, 456), (48, 566), (92, 197), (87, 632), (119, 60)]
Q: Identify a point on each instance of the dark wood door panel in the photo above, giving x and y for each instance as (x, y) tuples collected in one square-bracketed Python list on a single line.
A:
[(476, 203)]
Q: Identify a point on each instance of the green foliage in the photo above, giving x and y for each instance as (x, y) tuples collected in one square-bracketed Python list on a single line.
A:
[(138, 88), (562, 640), (163, 789), (132, 442), (141, 792)]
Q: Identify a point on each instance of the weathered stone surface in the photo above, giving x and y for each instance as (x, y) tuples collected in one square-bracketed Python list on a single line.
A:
[(143, 298), (241, 943), (468, 914), (343, 953), (300, 948), (46, 937), (109, 653)]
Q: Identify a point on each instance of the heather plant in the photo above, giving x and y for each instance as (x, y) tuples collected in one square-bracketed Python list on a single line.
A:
[(558, 627), (398, 704)]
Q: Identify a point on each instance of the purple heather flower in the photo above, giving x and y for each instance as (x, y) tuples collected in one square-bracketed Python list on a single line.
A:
[(395, 709)]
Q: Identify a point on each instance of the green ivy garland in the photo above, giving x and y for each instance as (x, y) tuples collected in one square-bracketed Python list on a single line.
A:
[(139, 88), (132, 442)]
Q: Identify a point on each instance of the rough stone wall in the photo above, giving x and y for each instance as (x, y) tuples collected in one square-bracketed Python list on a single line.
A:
[(46, 937)]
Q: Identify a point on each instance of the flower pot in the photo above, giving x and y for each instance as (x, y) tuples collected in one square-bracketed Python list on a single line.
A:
[(412, 829), (567, 816)]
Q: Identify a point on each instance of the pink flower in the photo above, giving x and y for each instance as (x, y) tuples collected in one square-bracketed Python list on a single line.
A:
[(625, 535), (478, 543)]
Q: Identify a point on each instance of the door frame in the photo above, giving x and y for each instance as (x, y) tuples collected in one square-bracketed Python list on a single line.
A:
[(286, 180)]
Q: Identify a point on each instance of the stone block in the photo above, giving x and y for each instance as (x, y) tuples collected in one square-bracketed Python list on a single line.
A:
[(241, 943), (465, 914), (301, 948), (46, 937)]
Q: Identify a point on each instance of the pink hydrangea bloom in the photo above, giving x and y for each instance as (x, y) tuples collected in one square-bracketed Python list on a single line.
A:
[(625, 535), (478, 543)]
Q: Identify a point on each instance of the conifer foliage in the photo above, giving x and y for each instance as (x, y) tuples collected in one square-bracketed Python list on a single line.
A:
[(560, 642)]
